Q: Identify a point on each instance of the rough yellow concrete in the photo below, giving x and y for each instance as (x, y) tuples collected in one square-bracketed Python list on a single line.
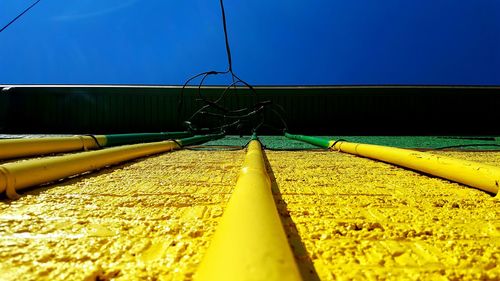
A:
[(149, 219), (365, 220), (346, 217)]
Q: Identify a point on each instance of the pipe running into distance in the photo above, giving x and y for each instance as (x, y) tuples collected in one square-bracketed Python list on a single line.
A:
[(481, 176), (16, 148), (250, 242), (21, 175)]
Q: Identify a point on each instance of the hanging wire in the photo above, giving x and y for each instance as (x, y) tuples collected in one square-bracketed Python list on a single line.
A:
[(19, 15), (221, 118)]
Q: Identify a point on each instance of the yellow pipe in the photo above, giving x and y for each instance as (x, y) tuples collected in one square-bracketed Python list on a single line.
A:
[(17, 176), (14, 148), (484, 177), (250, 243)]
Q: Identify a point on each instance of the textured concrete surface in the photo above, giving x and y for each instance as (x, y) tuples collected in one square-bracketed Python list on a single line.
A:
[(365, 220), (149, 219), (346, 217)]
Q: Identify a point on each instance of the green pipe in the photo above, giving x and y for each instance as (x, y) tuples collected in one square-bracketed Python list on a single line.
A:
[(478, 175), (312, 140), (254, 136), (16, 148), (121, 139), (199, 139)]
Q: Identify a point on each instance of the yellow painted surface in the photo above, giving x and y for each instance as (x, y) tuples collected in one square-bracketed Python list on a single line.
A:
[(366, 220), (23, 174), (14, 148), (346, 217), (151, 218), (250, 243), (474, 174)]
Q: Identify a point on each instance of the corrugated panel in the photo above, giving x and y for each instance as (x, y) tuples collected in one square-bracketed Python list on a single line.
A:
[(314, 110)]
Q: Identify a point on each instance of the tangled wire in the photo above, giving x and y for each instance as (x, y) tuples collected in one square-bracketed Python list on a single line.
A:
[(214, 117)]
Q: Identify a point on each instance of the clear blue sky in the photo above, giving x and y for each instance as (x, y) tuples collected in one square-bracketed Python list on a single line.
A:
[(274, 42)]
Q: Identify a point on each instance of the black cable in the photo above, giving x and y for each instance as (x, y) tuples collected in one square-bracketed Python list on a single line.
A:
[(176, 142), (218, 116), (180, 104), (96, 141), (228, 49), (18, 16), (335, 142)]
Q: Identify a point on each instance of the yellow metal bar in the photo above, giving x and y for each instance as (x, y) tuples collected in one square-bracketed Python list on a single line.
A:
[(14, 148), (481, 176), (17, 176), (250, 243)]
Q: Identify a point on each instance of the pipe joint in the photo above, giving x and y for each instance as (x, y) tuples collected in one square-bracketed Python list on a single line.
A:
[(8, 183), (478, 175), (4, 179)]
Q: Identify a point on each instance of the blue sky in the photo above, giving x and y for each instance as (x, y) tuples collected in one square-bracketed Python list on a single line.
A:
[(278, 42)]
